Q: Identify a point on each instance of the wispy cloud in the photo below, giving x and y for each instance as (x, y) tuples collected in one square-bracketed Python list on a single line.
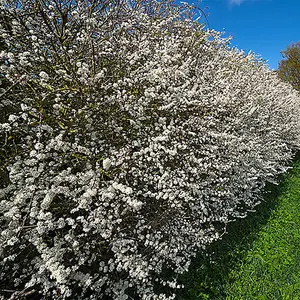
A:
[(236, 2), (239, 2)]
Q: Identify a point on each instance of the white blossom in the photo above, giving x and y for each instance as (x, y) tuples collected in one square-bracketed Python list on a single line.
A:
[(106, 163), (126, 145)]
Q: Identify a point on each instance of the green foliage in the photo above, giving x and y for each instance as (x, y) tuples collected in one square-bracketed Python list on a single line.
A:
[(289, 67), (259, 258), (271, 267)]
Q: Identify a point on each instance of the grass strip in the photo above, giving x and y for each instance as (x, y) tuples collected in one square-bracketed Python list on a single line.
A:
[(259, 258)]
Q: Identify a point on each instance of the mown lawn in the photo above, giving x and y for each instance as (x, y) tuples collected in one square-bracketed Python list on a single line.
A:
[(259, 258)]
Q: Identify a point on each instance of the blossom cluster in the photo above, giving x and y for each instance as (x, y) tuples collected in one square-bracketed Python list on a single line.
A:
[(130, 137)]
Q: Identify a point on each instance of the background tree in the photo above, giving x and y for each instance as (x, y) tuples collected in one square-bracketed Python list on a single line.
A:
[(289, 66)]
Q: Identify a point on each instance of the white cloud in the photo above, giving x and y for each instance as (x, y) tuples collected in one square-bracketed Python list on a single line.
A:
[(239, 2), (236, 2)]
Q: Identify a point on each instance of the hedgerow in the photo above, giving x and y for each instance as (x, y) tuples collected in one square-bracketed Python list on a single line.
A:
[(130, 137)]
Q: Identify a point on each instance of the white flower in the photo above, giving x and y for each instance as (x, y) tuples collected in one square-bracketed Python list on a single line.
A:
[(5, 126), (44, 76), (106, 163), (47, 200), (38, 146), (12, 118)]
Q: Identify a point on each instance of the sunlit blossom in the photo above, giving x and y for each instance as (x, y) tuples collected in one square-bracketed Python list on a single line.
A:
[(128, 133)]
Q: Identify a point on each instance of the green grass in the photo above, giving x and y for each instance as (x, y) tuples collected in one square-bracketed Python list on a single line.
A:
[(259, 258)]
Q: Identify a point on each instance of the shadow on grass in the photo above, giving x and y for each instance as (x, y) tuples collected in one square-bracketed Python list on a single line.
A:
[(209, 271)]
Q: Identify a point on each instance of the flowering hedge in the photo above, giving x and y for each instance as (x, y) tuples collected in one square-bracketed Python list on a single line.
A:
[(130, 137)]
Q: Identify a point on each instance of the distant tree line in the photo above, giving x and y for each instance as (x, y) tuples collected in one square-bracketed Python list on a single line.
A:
[(289, 66)]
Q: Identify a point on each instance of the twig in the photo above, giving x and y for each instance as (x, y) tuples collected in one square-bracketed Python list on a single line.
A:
[(18, 294)]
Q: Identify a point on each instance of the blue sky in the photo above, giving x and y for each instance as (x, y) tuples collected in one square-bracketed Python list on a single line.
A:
[(264, 26)]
